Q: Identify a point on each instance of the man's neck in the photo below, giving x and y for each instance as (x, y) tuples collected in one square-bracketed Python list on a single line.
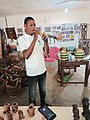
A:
[(29, 34)]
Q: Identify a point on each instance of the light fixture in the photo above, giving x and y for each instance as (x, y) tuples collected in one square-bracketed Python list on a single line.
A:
[(66, 10)]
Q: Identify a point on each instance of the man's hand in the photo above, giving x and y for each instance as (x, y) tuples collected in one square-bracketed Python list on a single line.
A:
[(44, 36), (35, 35), (59, 37)]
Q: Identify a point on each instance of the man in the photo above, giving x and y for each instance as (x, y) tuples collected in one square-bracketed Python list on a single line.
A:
[(31, 45)]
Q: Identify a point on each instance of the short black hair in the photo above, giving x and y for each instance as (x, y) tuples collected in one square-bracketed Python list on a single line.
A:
[(27, 19)]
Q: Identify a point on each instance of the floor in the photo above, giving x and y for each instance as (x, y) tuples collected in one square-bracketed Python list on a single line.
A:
[(56, 95)]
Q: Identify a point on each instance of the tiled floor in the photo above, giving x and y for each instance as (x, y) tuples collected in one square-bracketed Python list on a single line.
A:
[(56, 95)]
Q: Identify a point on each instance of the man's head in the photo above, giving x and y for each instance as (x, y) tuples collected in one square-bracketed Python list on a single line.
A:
[(30, 26)]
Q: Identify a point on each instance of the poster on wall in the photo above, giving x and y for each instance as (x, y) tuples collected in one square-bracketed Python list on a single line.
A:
[(19, 32), (68, 31)]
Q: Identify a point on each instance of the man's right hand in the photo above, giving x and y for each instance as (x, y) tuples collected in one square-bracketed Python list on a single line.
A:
[(35, 35)]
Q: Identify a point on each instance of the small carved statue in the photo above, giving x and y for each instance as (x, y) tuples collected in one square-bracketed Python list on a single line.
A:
[(87, 117), (75, 112), (85, 103), (21, 116), (31, 110)]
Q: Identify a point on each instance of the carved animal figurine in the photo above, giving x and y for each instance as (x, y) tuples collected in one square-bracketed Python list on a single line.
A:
[(31, 110), (21, 116)]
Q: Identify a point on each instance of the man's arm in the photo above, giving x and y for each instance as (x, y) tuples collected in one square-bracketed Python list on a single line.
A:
[(46, 46), (27, 53)]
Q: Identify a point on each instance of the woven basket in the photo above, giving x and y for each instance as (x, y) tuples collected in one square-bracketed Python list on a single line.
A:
[(13, 89), (2, 86), (24, 81)]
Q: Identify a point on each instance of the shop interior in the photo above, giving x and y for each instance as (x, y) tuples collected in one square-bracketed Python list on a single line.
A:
[(68, 73)]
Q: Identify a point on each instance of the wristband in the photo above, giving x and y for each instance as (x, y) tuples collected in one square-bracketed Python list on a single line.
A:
[(46, 39)]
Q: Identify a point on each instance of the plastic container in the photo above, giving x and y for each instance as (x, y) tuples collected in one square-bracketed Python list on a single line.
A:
[(70, 57)]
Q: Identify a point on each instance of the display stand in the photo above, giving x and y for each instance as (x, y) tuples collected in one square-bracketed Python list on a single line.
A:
[(0, 47), (63, 113)]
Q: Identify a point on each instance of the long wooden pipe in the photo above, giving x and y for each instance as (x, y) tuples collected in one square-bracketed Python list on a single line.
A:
[(58, 37)]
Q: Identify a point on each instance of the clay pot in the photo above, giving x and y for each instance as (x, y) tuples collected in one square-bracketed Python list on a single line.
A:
[(31, 110), (1, 118), (9, 116), (14, 107), (6, 108), (21, 116)]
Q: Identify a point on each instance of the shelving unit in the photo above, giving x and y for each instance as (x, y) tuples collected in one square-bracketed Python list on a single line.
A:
[(84, 41), (0, 46)]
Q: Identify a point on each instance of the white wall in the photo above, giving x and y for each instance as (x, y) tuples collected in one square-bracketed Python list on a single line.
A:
[(54, 17), (2, 22), (81, 16), (49, 18)]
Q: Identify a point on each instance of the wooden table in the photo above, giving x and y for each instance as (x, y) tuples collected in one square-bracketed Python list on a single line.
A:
[(72, 64), (63, 113)]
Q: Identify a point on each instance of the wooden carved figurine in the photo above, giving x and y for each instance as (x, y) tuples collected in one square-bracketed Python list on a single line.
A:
[(85, 103), (75, 112), (31, 110), (21, 116)]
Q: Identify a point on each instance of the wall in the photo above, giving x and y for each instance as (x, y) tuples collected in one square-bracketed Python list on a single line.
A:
[(54, 17), (2, 22), (49, 18)]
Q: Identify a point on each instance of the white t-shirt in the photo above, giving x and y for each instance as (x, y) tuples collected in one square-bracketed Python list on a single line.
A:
[(35, 64)]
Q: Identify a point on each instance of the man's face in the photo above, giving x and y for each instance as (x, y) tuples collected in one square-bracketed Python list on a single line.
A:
[(30, 27)]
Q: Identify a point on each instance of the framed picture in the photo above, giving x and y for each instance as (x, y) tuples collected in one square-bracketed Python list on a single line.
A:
[(11, 33)]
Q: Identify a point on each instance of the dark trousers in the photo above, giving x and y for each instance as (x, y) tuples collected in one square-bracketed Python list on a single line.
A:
[(32, 84)]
